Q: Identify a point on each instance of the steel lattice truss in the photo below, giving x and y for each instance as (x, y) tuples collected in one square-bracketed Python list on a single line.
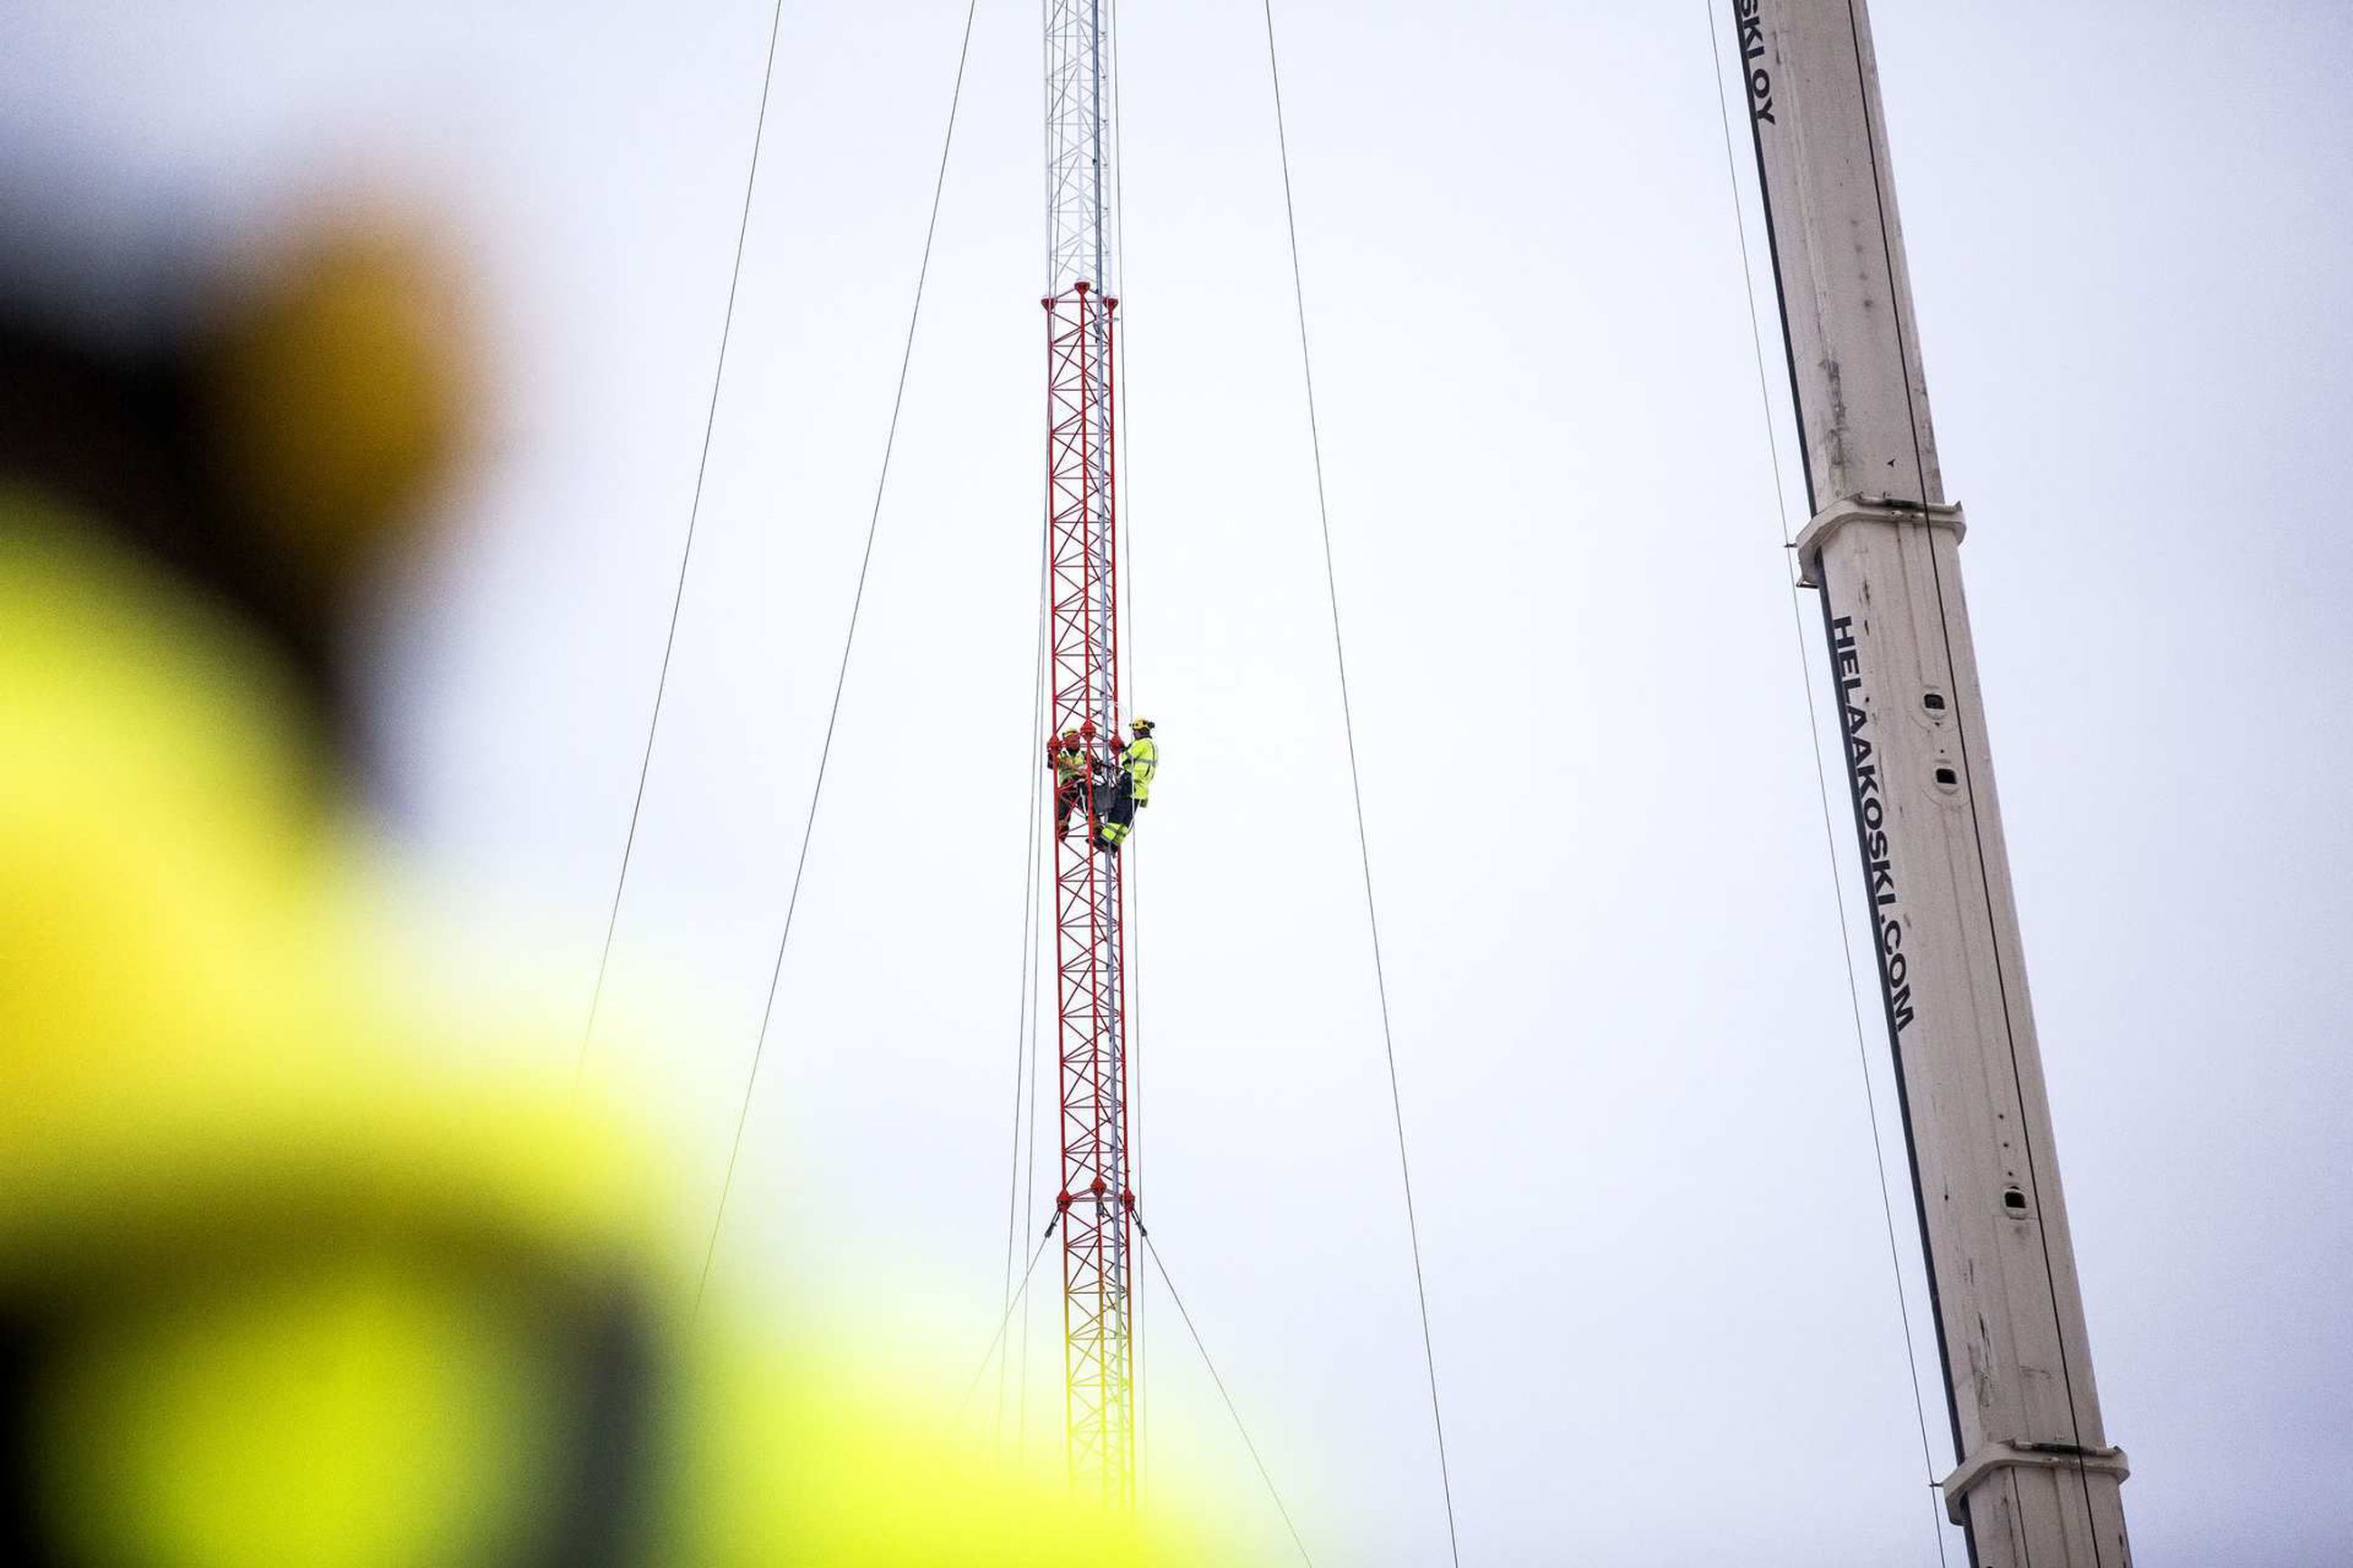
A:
[(1089, 900)]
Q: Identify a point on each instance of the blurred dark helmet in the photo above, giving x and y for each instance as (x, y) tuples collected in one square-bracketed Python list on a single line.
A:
[(266, 424)]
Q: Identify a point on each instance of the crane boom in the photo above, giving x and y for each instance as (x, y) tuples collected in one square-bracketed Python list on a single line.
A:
[(1088, 896), (2036, 1481)]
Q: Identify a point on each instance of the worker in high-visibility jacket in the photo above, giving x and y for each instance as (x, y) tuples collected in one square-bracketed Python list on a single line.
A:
[(1133, 788), (1068, 757)]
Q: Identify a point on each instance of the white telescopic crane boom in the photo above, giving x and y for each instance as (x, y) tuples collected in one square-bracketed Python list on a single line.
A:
[(2037, 1482)]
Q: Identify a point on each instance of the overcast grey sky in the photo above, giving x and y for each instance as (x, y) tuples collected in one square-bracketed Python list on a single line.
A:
[(1664, 1314)]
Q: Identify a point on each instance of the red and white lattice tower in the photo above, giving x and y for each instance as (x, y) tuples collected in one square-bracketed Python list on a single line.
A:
[(1089, 895)]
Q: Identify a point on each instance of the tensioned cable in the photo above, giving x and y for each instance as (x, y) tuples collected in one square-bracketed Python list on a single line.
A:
[(841, 675), (1821, 778), (1021, 1031), (1977, 828), (1045, 161), (1132, 883), (1029, 1186), (686, 552), (1028, 1142), (1263, 1474), (990, 1354), (1356, 787)]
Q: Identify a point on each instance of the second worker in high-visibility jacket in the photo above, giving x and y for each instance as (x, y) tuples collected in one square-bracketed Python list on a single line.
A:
[(1073, 774), (1131, 788)]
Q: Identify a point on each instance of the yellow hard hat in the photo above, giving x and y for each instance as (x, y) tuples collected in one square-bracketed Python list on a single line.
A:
[(1139, 723)]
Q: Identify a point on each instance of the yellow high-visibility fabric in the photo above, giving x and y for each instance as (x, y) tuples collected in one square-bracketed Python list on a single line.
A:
[(282, 1247), (1141, 760)]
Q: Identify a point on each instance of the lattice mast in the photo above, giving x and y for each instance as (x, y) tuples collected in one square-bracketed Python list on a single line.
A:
[(1096, 1202), (2037, 1482)]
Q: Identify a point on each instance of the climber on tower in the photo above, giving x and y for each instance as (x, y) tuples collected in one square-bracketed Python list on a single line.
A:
[(1133, 787)]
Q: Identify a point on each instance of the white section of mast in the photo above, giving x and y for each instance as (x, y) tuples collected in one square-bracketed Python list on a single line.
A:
[(1078, 147), (2037, 1482)]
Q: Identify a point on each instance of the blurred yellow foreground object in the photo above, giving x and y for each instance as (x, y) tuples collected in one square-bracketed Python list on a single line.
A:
[(274, 1292)]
